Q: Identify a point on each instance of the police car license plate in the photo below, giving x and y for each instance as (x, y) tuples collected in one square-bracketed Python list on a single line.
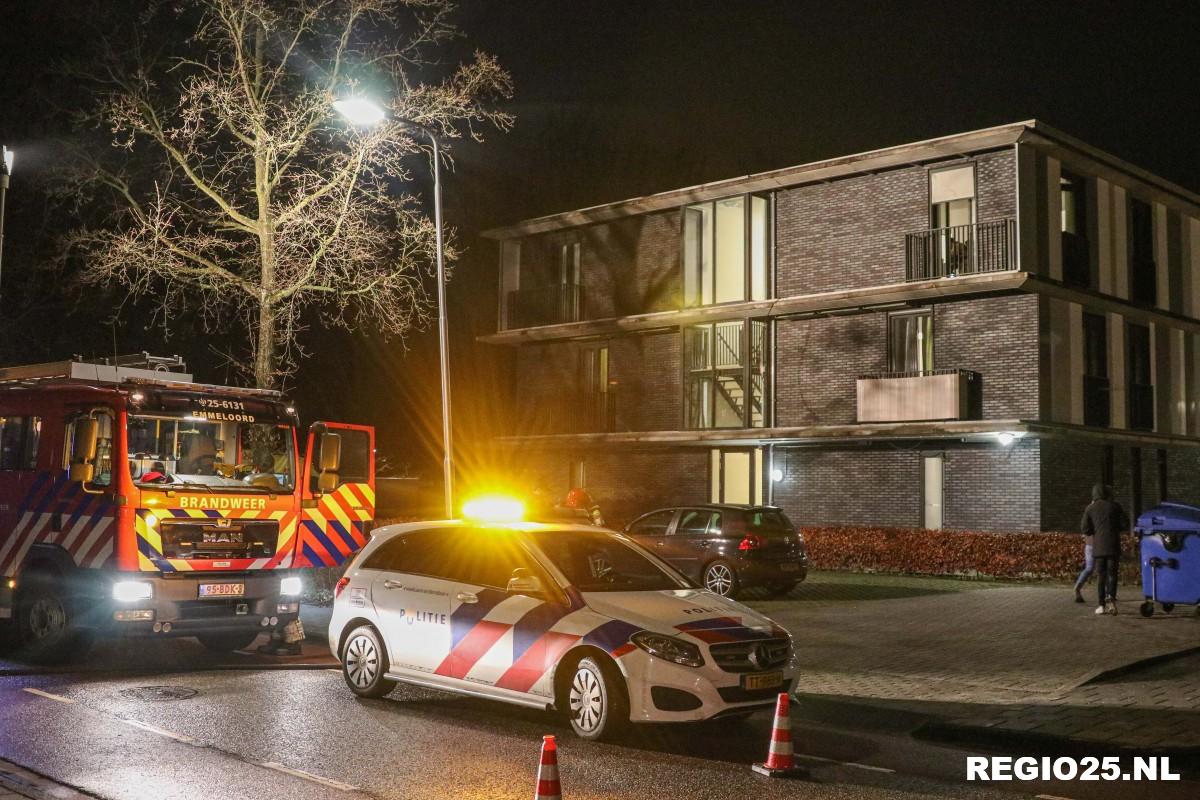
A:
[(762, 680), (222, 589), (789, 566)]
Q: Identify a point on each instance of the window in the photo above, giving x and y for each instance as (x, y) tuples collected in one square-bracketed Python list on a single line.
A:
[(597, 561), (430, 552), (102, 475), (1075, 257), (598, 407), (19, 438), (655, 524), (568, 264), (736, 476), (697, 523), (1143, 279), (488, 558), (1139, 385), (1095, 370), (726, 250), (910, 342), (952, 197), (726, 381)]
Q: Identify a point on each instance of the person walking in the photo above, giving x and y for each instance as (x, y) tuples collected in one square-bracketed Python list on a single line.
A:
[(1089, 567), (1104, 521)]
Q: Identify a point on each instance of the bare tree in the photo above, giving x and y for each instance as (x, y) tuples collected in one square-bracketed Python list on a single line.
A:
[(231, 187)]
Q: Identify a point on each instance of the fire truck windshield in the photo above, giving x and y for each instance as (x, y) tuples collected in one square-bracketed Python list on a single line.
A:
[(188, 450)]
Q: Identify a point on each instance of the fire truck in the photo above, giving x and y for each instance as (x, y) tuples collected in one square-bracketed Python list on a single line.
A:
[(137, 502)]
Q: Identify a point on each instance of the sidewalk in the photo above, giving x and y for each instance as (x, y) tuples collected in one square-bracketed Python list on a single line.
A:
[(985, 661), (17, 783)]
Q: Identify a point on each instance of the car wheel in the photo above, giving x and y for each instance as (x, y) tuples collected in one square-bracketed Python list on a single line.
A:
[(364, 663), (596, 700), (721, 578), (46, 624), (227, 642)]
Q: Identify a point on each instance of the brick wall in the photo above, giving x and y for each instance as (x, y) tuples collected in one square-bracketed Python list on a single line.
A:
[(998, 338), (992, 488), (849, 487), (850, 233)]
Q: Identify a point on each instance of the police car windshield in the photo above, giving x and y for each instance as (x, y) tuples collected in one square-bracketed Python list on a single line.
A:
[(600, 561), (227, 455)]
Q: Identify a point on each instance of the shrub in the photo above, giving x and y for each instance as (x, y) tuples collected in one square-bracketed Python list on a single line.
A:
[(964, 553)]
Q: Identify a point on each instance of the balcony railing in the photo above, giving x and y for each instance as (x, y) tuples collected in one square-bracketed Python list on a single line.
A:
[(920, 396), (1141, 406), (961, 250), (545, 305)]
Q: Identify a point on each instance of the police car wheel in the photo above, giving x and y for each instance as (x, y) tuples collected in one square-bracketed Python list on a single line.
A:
[(721, 578), (364, 664), (596, 701)]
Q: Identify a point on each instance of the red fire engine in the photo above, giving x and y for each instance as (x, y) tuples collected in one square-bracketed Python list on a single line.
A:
[(134, 501)]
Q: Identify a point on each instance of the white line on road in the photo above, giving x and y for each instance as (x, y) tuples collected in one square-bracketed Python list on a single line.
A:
[(160, 731), (57, 697), (1050, 797), (845, 763), (308, 776)]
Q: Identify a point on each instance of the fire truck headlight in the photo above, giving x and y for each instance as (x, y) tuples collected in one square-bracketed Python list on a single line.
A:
[(132, 591), (291, 586)]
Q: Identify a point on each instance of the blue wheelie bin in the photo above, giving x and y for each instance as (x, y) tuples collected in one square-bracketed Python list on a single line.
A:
[(1169, 536)]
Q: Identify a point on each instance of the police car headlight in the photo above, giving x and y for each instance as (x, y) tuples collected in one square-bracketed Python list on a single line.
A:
[(131, 591), (668, 648), (290, 585)]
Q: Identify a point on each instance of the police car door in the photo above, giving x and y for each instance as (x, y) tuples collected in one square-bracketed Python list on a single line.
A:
[(412, 598)]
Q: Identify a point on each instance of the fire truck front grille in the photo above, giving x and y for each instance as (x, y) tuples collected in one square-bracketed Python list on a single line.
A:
[(197, 538)]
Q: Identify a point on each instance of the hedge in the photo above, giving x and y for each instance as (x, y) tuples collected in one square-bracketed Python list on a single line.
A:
[(966, 553)]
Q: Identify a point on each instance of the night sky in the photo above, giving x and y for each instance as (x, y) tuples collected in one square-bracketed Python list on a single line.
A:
[(620, 99)]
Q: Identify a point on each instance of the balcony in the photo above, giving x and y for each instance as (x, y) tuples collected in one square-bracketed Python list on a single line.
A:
[(961, 250), (1141, 406), (545, 305), (944, 394)]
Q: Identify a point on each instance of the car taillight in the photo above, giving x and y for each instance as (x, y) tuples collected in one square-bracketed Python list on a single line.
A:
[(341, 584), (752, 542)]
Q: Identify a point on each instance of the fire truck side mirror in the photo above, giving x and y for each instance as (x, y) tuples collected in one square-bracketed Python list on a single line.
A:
[(331, 462), (83, 450)]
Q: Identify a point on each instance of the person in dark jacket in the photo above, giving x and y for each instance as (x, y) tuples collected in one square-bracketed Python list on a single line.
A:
[(1104, 521)]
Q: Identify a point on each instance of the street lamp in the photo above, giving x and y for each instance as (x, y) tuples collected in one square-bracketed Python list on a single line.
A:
[(362, 112), (5, 171)]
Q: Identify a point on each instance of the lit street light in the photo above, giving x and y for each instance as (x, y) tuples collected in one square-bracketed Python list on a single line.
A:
[(5, 171), (361, 112)]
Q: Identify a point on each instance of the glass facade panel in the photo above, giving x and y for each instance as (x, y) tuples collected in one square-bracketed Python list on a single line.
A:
[(726, 251), (727, 374), (910, 342), (760, 247), (731, 250)]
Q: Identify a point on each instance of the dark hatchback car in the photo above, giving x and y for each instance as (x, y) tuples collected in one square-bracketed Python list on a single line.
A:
[(726, 548)]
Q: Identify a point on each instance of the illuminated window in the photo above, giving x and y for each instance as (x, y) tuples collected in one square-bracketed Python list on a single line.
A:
[(726, 251)]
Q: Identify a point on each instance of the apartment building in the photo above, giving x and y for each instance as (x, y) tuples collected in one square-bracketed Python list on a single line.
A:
[(959, 333)]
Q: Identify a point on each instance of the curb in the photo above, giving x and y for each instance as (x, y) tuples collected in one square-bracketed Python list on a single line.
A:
[(851, 712), (28, 783), (1133, 666)]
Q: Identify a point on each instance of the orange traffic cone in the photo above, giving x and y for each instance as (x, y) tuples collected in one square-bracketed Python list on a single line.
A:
[(548, 787), (779, 762)]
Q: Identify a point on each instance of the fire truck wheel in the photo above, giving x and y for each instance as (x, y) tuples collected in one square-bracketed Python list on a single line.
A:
[(46, 623), (227, 642)]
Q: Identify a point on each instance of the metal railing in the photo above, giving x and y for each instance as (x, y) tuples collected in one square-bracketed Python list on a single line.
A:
[(961, 250), (922, 373), (545, 305)]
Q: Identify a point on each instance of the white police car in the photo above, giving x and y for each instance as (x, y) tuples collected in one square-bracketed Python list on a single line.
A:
[(573, 618)]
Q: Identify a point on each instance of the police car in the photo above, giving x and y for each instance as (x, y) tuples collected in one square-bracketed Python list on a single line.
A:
[(554, 616)]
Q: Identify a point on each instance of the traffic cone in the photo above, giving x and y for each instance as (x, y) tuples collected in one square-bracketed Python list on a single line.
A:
[(548, 787), (779, 762)]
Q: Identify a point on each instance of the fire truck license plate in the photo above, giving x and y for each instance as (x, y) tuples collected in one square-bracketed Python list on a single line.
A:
[(222, 589), (763, 680)]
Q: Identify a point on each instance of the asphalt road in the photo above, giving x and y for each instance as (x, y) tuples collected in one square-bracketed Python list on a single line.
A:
[(234, 729)]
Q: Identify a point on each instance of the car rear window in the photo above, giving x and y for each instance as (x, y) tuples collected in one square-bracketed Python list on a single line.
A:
[(768, 522)]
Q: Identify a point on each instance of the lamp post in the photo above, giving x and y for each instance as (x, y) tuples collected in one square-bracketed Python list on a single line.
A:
[(364, 113), (5, 171)]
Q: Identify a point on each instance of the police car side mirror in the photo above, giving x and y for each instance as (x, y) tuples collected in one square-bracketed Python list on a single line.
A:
[(522, 582), (83, 450)]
